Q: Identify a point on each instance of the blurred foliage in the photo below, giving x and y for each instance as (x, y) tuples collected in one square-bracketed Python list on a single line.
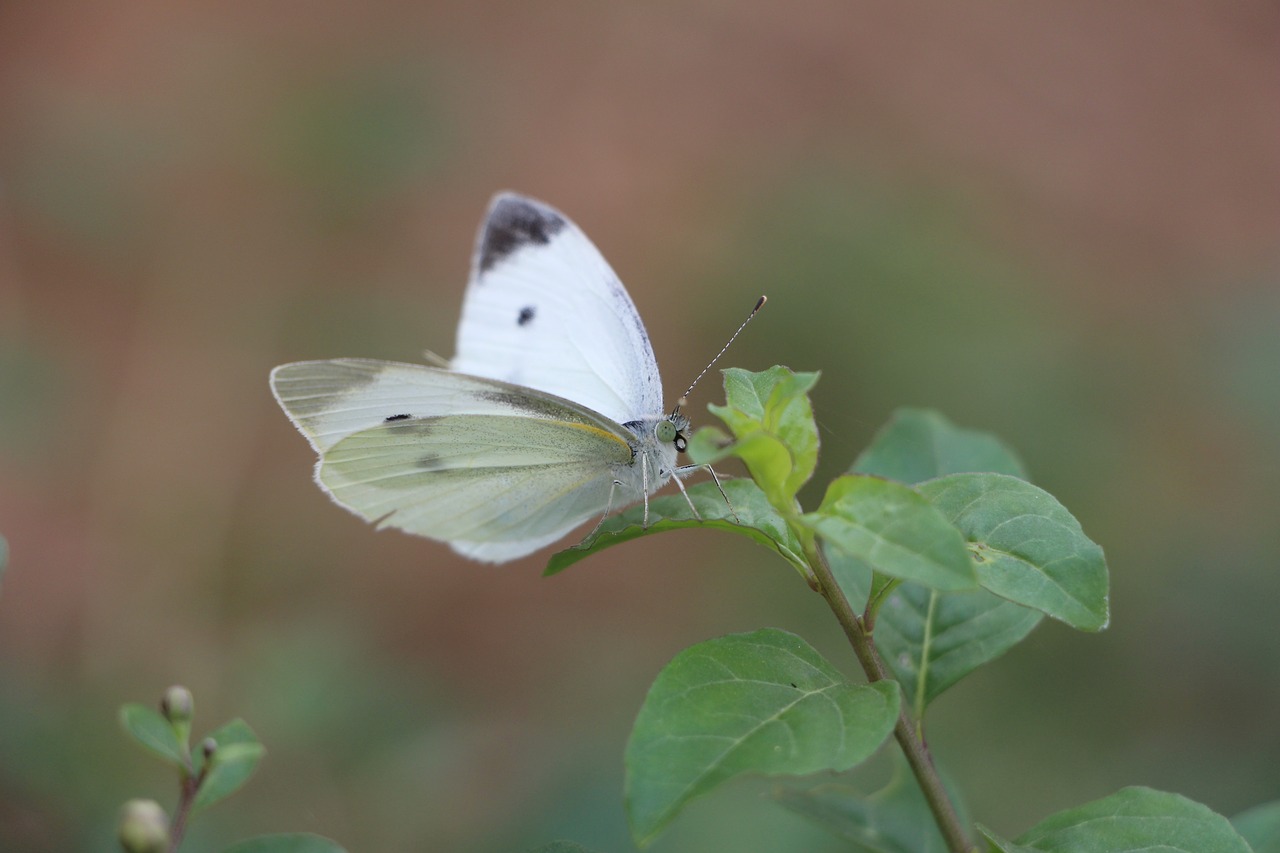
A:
[(355, 140)]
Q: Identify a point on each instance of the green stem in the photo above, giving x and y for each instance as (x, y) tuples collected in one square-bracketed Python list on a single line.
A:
[(907, 732)]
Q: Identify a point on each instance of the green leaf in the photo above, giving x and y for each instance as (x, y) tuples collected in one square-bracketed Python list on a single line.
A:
[(755, 518), (1260, 826), (562, 847), (287, 842), (931, 640), (895, 819), (237, 755), (763, 702), (154, 732), (1002, 845), (772, 423), (1026, 547), (893, 530), (1132, 820), (920, 444), (235, 732), (708, 445)]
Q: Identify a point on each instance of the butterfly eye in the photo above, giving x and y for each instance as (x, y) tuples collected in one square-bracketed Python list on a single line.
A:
[(666, 431)]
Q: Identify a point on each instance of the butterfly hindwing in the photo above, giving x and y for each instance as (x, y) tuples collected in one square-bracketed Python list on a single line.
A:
[(331, 399), (544, 309), (510, 482), (496, 470)]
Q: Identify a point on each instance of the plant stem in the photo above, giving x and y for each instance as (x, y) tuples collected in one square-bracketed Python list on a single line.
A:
[(908, 733), (188, 790), (186, 798)]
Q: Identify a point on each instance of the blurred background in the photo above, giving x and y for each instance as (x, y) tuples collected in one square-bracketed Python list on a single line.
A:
[(1060, 223)]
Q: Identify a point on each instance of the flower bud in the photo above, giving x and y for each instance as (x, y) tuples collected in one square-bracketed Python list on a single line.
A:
[(177, 705), (144, 827)]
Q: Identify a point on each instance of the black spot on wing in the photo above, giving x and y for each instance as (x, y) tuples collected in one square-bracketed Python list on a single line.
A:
[(525, 317), (513, 223), (398, 418)]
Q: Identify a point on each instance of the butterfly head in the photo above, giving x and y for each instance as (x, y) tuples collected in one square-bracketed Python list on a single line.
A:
[(671, 430)]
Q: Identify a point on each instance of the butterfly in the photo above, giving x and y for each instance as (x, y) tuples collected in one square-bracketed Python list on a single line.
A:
[(549, 415)]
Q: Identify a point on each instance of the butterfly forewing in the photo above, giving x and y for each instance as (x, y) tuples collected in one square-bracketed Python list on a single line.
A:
[(332, 399), (543, 309)]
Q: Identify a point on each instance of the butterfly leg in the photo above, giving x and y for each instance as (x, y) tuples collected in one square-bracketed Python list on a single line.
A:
[(613, 487), (693, 509), (689, 469), (644, 490)]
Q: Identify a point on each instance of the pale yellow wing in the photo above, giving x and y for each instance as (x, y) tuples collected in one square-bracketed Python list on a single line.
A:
[(496, 470)]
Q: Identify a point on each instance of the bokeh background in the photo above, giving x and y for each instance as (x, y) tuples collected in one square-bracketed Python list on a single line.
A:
[(1058, 222)]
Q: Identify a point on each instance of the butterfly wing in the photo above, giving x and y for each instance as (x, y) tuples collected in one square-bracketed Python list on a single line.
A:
[(496, 471), (543, 309)]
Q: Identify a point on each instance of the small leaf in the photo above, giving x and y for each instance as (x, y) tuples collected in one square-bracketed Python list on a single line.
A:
[(771, 418), (895, 819), (893, 530), (763, 702), (287, 842), (237, 755), (154, 732), (708, 445), (1260, 826), (931, 640), (770, 463), (763, 397), (755, 519), (232, 766), (919, 444), (1026, 547), (234, 732), (1132, 820)]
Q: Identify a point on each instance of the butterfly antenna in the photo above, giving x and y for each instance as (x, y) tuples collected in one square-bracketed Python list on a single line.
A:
[(680, 402)]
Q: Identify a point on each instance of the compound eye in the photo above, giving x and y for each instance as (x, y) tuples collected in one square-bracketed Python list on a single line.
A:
[(666, 431), (681, 444)]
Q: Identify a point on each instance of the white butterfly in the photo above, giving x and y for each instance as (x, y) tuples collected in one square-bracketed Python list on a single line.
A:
[(550, 415)]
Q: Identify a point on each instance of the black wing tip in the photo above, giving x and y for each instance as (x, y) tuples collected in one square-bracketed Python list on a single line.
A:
[(515, 221)]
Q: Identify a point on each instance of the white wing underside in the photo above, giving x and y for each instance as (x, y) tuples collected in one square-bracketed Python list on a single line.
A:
[(495, 470), (543, 309)]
